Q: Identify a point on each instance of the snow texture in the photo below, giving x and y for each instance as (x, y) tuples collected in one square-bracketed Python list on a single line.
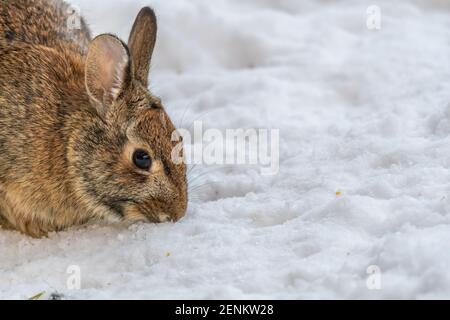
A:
[(364, 119)]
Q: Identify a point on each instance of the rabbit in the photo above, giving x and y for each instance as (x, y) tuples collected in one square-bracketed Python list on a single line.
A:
[(81, 136)]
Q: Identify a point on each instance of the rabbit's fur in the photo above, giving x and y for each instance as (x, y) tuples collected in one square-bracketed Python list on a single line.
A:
[(72, 113)]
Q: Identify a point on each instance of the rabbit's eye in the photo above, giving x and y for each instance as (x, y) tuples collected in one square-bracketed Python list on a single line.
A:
[(142, 160), (156, 104)]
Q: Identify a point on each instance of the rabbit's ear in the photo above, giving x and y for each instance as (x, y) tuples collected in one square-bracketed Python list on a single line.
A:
[(142, 42), (107, 70)]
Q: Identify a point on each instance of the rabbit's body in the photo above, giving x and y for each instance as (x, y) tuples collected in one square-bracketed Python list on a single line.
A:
[(67, 137), (37, 106)]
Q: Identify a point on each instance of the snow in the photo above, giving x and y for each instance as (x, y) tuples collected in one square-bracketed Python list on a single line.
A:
[(364, 180)]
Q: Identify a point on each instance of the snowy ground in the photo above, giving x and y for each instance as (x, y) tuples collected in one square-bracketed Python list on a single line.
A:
[(365, 155)]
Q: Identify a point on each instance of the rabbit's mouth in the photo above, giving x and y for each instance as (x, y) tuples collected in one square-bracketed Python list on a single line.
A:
[(134, 218), (133, 213)]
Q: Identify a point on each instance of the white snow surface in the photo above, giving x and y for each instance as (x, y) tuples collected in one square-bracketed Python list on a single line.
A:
[(364, 119)]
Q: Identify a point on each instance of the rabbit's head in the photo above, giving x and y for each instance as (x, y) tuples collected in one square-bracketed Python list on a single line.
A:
[(123, 160)]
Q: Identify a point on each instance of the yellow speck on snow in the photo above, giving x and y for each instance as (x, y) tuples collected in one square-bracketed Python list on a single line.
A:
[(37, 296)]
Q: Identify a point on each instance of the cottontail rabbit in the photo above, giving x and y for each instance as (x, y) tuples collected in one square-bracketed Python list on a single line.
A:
[(81, 137)]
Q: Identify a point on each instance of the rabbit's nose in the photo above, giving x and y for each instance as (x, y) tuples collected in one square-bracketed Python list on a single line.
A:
[(164, 218)]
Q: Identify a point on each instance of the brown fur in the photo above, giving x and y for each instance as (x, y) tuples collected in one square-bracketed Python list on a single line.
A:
[(68, 129)]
